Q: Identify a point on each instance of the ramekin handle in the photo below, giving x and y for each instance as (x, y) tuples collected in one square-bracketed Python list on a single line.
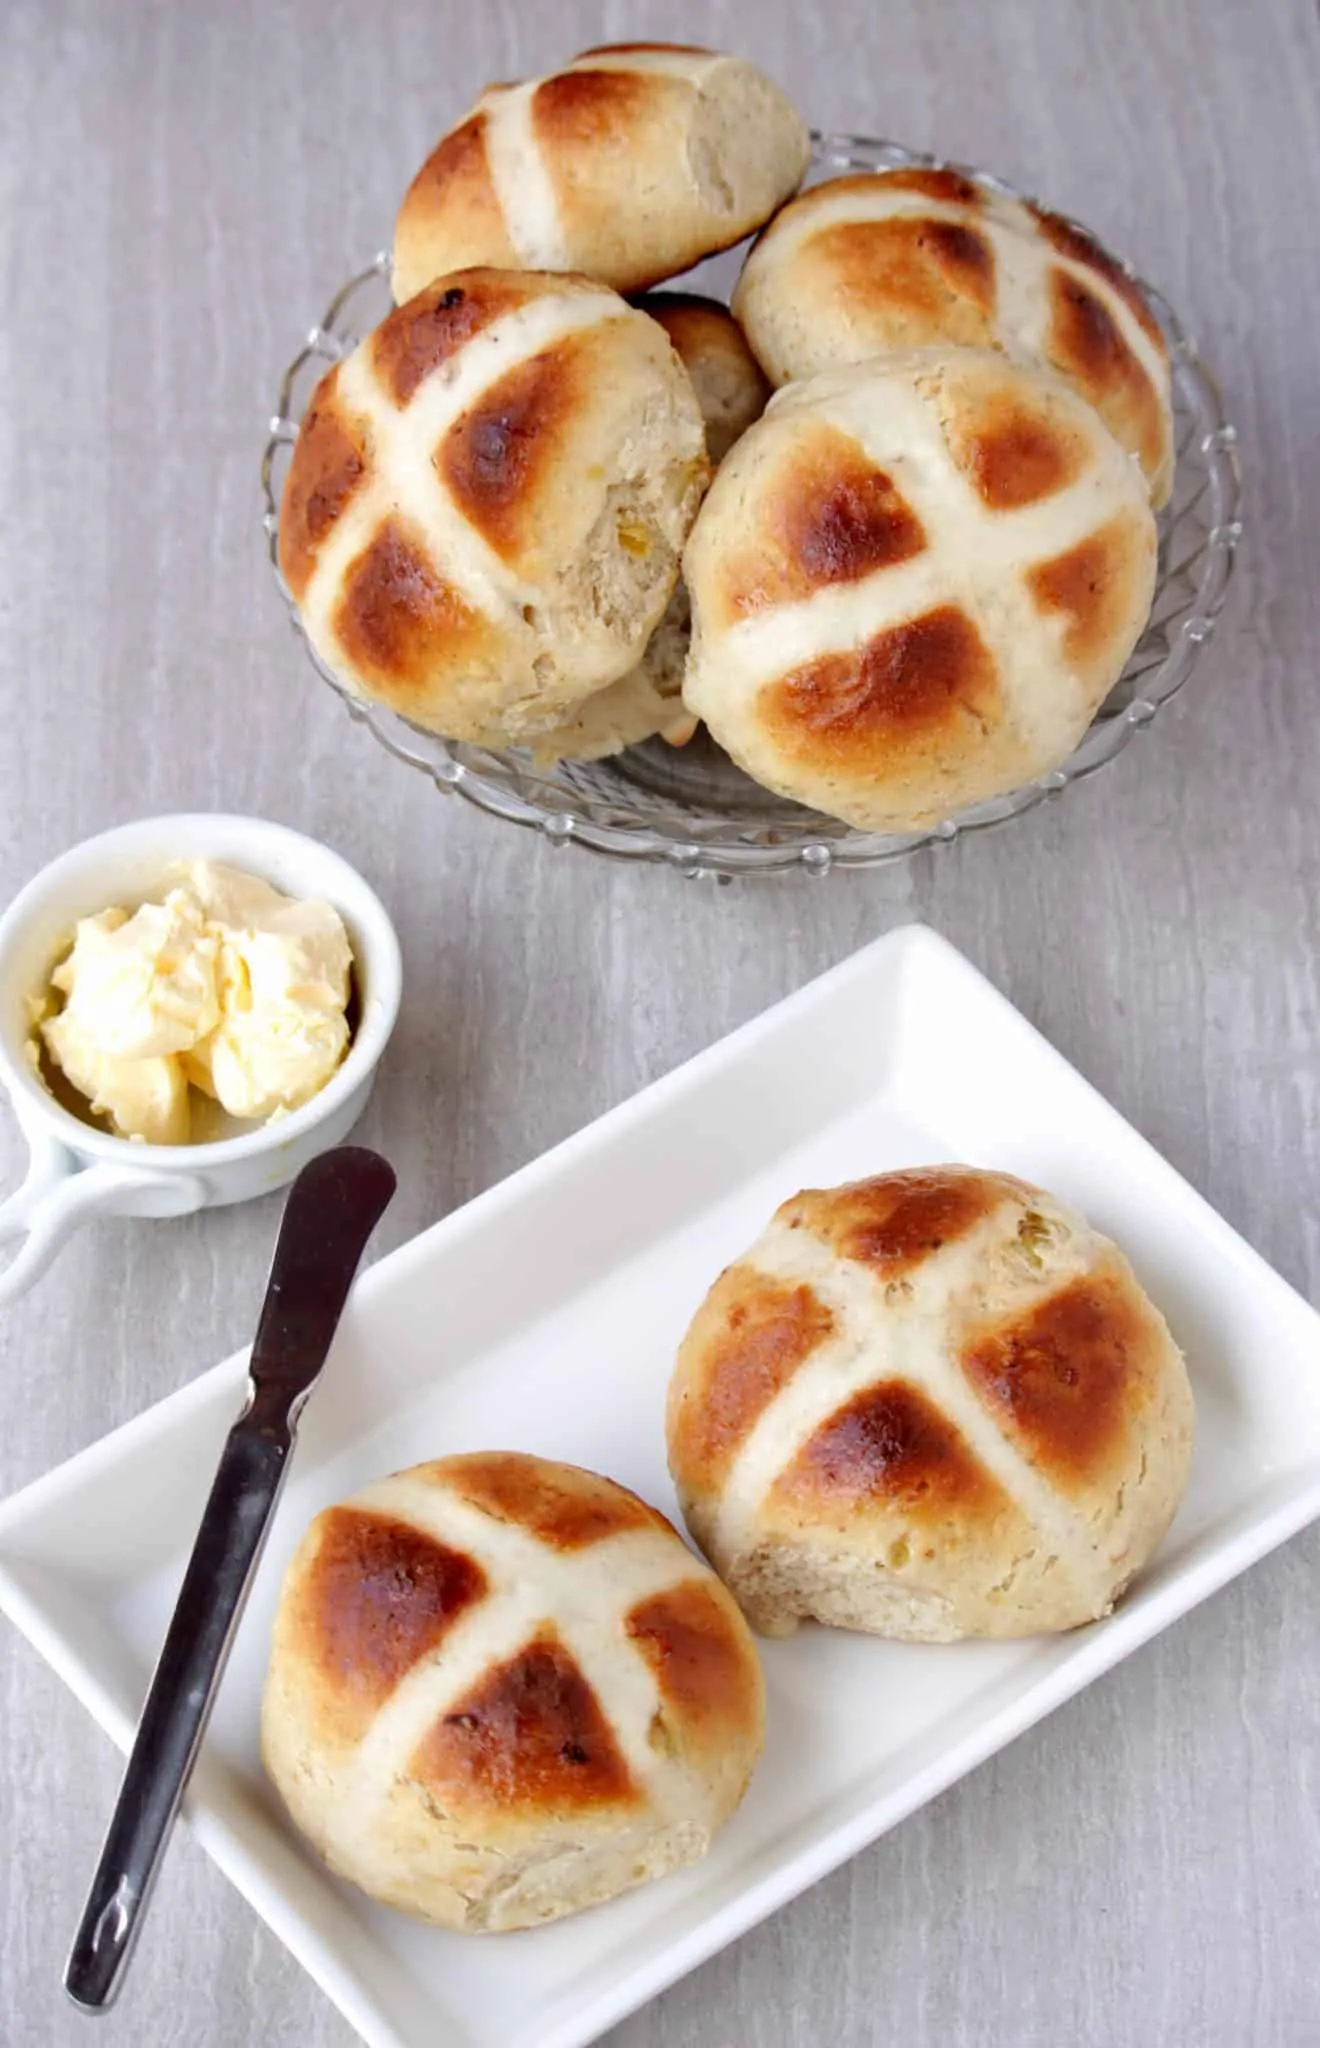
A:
[(60, 1192)]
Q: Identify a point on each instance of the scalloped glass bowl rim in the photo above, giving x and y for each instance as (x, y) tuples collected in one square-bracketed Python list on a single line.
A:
[(629, 822)]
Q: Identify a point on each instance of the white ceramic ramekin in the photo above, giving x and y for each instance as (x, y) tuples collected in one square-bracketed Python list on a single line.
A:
[(77, 1172)]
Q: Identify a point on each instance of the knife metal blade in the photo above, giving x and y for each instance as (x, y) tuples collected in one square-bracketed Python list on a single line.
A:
[(333, 1207)]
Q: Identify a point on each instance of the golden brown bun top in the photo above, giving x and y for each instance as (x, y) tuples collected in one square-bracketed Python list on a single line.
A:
[(1041, 1321), (376, 1591), (899, 259), (496, 458), (486, 499), (911, 570), (631, 162)]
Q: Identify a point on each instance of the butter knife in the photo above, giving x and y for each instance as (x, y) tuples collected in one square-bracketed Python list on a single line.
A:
[(333, 1207)]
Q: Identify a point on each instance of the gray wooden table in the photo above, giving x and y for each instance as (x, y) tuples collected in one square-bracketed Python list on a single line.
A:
[(181, 188)]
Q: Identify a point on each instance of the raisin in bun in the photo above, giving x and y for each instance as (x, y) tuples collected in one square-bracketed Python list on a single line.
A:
[(731, 392)]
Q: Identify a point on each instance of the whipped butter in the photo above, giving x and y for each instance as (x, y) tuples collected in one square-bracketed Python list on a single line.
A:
[(227, 987)]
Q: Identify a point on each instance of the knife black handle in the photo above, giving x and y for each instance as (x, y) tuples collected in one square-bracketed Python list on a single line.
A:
[(332, 1209), (177, 1709)]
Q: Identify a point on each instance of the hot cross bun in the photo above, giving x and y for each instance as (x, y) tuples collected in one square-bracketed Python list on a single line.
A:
[(482, 520), (930, 1405), (914, 581), (629, 164), (502, 1689)]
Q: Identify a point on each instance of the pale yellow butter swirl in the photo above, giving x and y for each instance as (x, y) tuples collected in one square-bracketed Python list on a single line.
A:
[(227, 984)]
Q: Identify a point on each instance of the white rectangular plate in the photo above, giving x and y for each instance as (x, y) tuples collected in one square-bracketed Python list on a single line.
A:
[(545, 1316)]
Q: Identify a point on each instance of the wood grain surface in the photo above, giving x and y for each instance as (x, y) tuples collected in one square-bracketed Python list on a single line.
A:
[(181, 188)]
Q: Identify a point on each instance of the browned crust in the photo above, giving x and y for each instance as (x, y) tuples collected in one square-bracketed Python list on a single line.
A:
[(499, 457), (890, 1448), (562, 1506), (731, 387), (860, 712), (1081, 247), (327, 470), (593, 127), (397, 619), (1085, 344), (452, 205), (1013, 452), (429, 329), (963, 258), (934, 182), (827, 515), (855, 523), (1091, 587), (376, 1597), (529, 1737), (628, 49), (895, 1221), (1068, 1376), (699, 327), (747, 1340), (921, 276), (595, 109), (705, 1670)]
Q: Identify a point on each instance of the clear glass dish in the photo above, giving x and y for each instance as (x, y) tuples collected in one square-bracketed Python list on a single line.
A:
[(689, 807)]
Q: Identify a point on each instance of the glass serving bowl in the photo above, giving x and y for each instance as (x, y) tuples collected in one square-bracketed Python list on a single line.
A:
[(690, 807)]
